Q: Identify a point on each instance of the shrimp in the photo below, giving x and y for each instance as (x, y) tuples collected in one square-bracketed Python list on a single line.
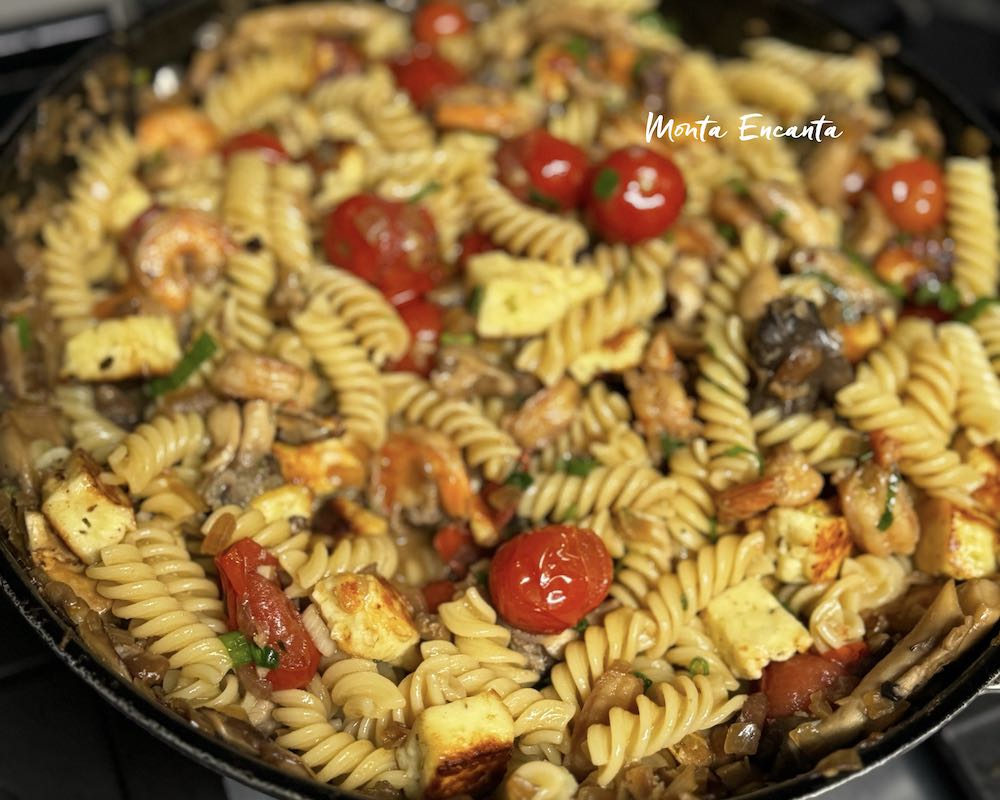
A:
[(486, 110), (177, 245), (788, 480), (420, 470), (879, 509), (179, 130), (244, 375), (546, 414)]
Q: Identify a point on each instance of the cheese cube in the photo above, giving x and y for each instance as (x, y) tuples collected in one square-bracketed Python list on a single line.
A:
[(954, 541), (284, 503), (85, 512), (615, 355), (323, 466), (464, 746), (366, 616), (751, 629), (987, 464), (52, 556), (810, 541), (114, 349), (523, 297)]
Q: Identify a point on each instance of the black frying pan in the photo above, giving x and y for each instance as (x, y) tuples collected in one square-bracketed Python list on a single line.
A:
[(717, 24)]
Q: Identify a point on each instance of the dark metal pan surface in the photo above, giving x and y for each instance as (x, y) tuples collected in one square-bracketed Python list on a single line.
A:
[(719, 25)]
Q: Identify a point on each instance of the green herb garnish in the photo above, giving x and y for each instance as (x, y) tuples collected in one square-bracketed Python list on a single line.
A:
[(581, 466), (23, 326), (935, 293), (482, 577), (654, 20), (867, 455), (428, 189), (728, 232), (447, 337), (970, 313), (738, 450), (605, 183), (887, 518), (582, 625), (647, 684), (203, 349), (142, 76), (542, 200), (244, 651), (894, 289), (669, 445), (698, 666), (777, 217), (713, 530), (684, 602), (578, 47), (475, 300), (522, 480), (570, 513), (738, 186)]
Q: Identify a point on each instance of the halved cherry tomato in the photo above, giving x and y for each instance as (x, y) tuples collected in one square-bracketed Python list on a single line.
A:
[(456, 548), (912, 194), (424, 75), (257, 607), (267, 144), (425, 320), (547, 580), (848, 655), (439, 19), (471, 244), (790, 684), (436, 593), (634, 194), (388, 243), (541, 169)]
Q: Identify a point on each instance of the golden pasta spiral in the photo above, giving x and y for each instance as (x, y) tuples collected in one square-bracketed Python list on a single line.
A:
[(974, 225), (157, 445)]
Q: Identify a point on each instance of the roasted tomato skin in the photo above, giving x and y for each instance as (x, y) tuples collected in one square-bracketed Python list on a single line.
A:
[(912, 194), (790, 684), (424, 75), (267, 144), (438, 20), (541, 169), (472, 244), (256, 606), (424, 320), (547, 580), (388, 243), (634, 194)]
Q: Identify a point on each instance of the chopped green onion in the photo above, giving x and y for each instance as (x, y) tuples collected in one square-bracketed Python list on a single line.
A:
[(738, 186), (776, 218), (570, 514), (428, 189), (867, 455), (457, 338), (935, 293), (265, 656), (698, 666), (668, 237), (23, 326), (244, 651), (605, 183), (647, 684), (684, 602), (970, 313), (142, 76), (894, 289), (520, 479), (578, 47), (582, 625), (543, 200), (482, 577), (202, 350), (669, 445), (713, 530), (475, 300), (892, 489), (580, 466), (654, 20), (728, 232), (738, 450)]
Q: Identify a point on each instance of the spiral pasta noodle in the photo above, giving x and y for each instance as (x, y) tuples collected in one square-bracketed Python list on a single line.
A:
[(853, 76), (245, 197), (350, 554), (155, 446), (978, 403), (974, 224)]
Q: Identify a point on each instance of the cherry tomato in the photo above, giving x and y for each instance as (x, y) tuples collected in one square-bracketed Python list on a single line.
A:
[(333, 57), (540, 169), (471, 244), (436, 593), (912, 194), (424, 75), (634, 194), (439, 19), (456, 548), (849, 655), (388, 243), (257, 607), (547, 580), (267, 144), (424, 319), (789, 684)]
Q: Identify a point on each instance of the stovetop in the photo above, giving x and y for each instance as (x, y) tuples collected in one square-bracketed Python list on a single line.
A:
[(61, 741)]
